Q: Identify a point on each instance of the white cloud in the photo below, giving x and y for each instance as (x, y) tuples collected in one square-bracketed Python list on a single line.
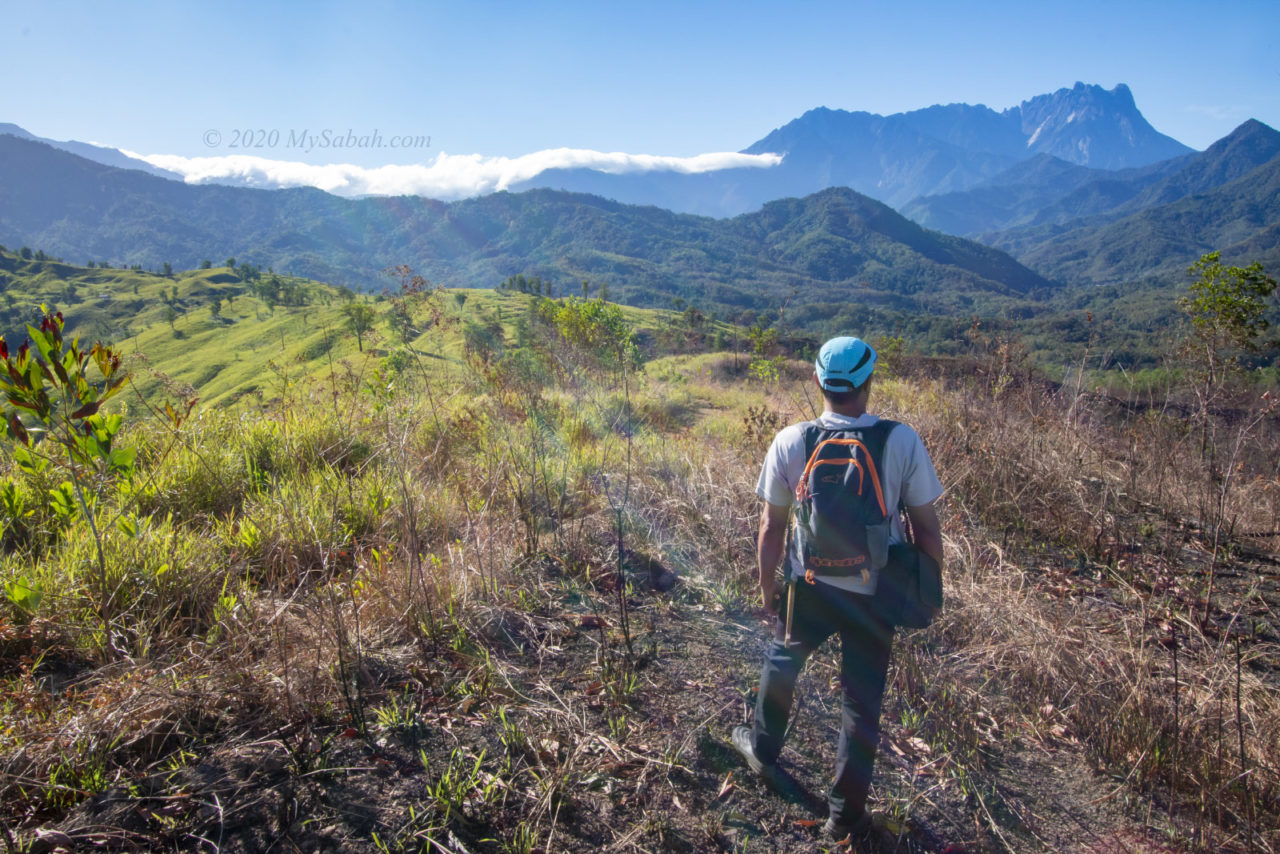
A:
[(448, 176)]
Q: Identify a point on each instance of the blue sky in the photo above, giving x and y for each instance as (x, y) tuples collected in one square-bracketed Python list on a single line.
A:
[(680, 79)]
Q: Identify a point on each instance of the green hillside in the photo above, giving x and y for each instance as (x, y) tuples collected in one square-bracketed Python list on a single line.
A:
[(815, 266), (269, 330), (167, 326), (1115, 231)]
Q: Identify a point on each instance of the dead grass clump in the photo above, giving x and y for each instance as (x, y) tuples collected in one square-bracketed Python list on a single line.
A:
[(1175, 719)]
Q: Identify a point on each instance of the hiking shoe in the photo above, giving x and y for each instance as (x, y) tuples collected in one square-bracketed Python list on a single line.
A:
[(839, 831), (742, 743)]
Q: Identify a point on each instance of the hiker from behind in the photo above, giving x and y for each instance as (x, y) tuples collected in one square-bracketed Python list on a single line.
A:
[(846, 474)]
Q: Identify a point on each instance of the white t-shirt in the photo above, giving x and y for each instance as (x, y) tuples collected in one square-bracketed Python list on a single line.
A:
[(906, 473)]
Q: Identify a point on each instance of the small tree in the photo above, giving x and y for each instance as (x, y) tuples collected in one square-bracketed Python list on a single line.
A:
[(53, 392), (412, 294), (766, 357), (206, 264), (1227, 308), (360, 317)]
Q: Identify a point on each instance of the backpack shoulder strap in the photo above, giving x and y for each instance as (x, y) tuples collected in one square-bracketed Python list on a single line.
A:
[(877, 436), (812, 432), (882, 430), (874, 437)]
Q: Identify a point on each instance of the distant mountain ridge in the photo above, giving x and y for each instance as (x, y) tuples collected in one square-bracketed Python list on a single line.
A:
[(1071, 223), (836, 246), (1037, 195), (898, 158), (1240, 218), (89, 151), (894, 159)]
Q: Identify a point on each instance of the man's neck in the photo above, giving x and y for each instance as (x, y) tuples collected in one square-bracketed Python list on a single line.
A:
[(852, 410)]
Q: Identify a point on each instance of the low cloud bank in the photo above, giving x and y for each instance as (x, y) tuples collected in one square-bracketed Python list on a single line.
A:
[(448, 176)]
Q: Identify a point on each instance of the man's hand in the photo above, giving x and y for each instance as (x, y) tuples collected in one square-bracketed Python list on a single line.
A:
[(769, 545)]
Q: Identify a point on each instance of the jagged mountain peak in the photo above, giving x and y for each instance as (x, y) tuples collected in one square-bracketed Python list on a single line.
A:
[(1092, 126), (1083, 101), (1084, 124)]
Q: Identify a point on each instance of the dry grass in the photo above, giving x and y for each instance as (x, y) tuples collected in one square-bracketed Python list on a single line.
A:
[(1084, 607), (396, 563)]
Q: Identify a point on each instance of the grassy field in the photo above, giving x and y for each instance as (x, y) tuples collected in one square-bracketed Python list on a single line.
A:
[(490, 589)]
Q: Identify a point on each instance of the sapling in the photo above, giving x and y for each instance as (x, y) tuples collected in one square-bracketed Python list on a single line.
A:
[(53, 394)]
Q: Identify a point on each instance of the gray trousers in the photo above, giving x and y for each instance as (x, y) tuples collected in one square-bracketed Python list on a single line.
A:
[(866, 641)]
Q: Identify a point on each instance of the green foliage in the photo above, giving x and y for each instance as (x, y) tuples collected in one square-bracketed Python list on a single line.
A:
[(888, 353), (53, 394), (24, 593), (1228, 305), (525, 285), (360, 317), (766, 358), (594, 326), (50, 393)]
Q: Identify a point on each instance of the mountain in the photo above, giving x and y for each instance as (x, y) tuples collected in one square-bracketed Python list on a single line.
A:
[(89, 151), (1083, 217), (820, 247), (898, 158), (1091, 126), (895, 159), (890, 158), (1044, 189), (1244, 149), (1002, 201), (1031, 201), (1241, 218)]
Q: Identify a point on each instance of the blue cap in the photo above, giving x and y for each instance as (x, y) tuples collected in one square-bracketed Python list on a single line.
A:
[(844, 363)]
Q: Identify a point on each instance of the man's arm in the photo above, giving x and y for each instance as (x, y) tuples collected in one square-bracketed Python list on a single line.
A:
[(927, 530), (769, 544)]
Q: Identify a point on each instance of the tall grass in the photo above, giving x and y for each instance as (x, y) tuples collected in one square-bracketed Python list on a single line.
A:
[(1084, 535)]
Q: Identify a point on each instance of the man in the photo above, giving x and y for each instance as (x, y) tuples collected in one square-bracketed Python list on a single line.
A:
[(836, 603)]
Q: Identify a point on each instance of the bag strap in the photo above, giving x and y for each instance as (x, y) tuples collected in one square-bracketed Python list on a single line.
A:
[(875, 437)]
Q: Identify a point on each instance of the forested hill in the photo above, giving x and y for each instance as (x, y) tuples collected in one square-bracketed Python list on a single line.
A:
[(1088, 227), (1240, 218), (815, 249)]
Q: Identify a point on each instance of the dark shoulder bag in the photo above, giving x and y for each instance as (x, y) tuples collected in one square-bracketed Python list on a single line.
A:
[(909, 591)]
